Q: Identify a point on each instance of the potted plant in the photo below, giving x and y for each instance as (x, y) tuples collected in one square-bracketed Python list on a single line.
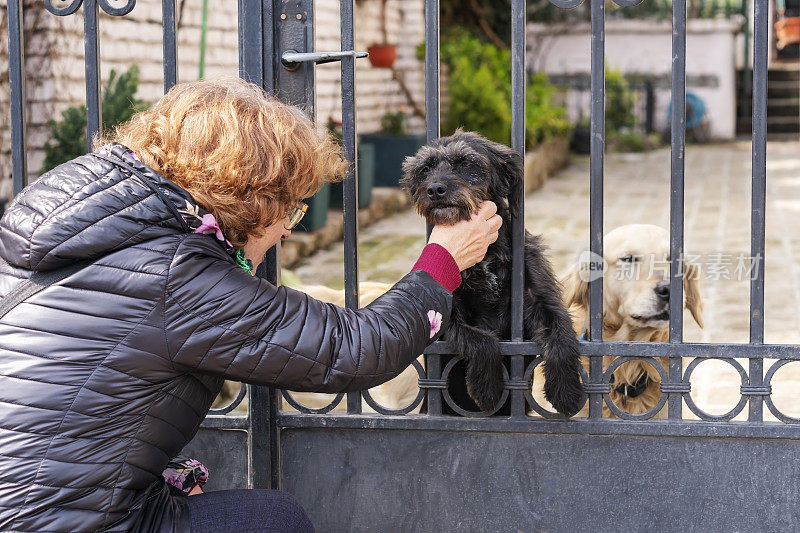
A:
[(383, 54), (317, 214), (365, 170), (392, 144), (786, 28)]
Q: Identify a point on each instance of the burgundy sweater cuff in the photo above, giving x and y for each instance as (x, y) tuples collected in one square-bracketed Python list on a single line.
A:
[(438, 262)]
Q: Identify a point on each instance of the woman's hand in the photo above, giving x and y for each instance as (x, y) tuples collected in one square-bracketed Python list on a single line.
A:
[(468, 240)]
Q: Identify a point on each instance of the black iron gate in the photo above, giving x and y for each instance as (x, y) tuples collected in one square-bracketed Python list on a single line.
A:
[(440, 472)]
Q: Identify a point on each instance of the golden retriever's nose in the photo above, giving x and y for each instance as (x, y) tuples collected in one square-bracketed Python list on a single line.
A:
[(662, 290), (436, 191)]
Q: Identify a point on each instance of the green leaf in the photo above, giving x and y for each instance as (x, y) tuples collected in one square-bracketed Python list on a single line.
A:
[(68, 135)]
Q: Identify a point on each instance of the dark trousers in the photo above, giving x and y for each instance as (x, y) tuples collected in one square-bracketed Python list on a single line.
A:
[(248, 510)]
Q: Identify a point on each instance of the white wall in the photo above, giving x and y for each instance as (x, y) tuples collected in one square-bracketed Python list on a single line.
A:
[(645, 47), (56, 52)]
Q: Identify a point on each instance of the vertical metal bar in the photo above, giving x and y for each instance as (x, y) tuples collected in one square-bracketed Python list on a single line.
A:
[(596, 195), (759, 194), (94, 112), (433, 366), (433, 371), (273, 258), (518, 222), (261, 464), (432, 69), (349, 146), (251, 44), (170, 44), (16, 74), (649, 106), (262, 434), (269, 58), (678, 152), (350, 203), (747, 78)]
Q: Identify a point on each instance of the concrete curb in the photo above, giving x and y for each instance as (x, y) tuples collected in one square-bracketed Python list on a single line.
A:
[(385, 201)]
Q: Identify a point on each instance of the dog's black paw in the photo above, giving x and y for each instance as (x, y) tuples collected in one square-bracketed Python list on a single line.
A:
[(485, 381), (563, 387)]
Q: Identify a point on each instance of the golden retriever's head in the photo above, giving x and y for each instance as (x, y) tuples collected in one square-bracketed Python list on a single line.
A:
[(635, 280)]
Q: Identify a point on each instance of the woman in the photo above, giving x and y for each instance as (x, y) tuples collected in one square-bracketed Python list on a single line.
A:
[(144, 302)]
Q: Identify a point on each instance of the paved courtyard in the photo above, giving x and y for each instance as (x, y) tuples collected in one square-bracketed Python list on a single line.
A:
[(717, 228)]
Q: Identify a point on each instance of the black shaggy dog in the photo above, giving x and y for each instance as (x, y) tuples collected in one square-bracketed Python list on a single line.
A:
[(447, 181)]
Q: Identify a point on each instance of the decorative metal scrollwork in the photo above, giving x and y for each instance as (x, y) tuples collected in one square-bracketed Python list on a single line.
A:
[(628, 3), (234, 404), (401, 410), (312, 410), (768, 389), (708, 416), (616, 363), (570, 4), (115, 8), (536, 406), (458, 409), (566, 4)]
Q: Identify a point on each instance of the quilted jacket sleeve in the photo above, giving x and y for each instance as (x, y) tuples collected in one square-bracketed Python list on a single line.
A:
[(220, 320)]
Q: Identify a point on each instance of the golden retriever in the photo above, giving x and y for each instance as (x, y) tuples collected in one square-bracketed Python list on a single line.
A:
[(635, 308), (394, 394)]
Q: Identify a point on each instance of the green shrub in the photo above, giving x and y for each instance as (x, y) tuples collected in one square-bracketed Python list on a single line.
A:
[(68, 135), (627, 141), (479, 87), (480, 93), (620, 101), (544, 119), (394, 122)]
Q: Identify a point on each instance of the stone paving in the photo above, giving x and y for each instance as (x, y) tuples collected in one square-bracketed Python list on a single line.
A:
[(717, 227)]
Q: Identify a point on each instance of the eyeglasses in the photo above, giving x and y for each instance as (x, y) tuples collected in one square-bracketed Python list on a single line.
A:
[(295, 215)]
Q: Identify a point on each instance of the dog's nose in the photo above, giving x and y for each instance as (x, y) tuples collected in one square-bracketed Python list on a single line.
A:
[(662, 290), (436, 191)]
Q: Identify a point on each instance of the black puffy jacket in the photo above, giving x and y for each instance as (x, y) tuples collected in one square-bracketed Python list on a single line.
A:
[(106, 375)]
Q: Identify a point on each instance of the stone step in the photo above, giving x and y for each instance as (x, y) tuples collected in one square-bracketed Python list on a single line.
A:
[(772, 103), (783, 75), (774, 120), (782, 89), (775, 125)]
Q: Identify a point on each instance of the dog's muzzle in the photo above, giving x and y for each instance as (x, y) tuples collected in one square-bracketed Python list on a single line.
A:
[(632, 391)]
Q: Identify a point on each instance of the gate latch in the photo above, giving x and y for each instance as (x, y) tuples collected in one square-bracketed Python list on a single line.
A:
[(292, 59)]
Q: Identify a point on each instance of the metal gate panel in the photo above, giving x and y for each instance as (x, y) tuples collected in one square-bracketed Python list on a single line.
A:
[(432, 480), (436, 472)]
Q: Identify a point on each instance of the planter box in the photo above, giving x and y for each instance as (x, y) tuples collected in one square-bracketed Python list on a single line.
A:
[(366, 179), (390, 151), (544, 161), (581, 142), (317, 213)]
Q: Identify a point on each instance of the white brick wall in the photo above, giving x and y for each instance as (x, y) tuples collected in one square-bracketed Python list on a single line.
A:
[(645, 47), (136, 38), (376, 91)]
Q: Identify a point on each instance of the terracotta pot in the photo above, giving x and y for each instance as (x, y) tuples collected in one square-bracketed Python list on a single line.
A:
[(788, 31), (382, 55)]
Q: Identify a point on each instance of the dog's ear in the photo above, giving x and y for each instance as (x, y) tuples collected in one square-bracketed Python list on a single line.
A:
[(407, 179), (576, 288), (507, 166), (691, 291)]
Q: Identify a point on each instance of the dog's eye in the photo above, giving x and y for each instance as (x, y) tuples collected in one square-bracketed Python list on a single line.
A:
[(629, 259)]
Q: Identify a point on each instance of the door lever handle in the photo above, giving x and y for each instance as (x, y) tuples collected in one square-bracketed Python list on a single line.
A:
[(292, 59)]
